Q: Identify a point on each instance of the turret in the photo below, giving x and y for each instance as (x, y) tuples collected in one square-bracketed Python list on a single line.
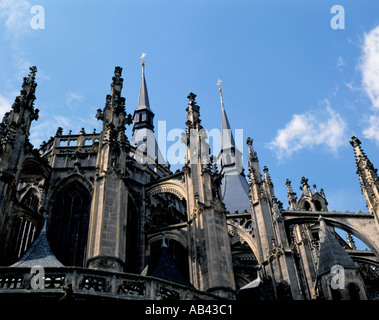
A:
[(14, 144), (209, 249), (108, 215)]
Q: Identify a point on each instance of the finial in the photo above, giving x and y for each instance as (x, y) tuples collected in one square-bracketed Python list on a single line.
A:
[(355, 142), (220, 90), (143, 63), (219, 85)]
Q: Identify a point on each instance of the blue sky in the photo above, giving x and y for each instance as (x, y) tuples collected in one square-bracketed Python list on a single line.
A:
[(294, 84)]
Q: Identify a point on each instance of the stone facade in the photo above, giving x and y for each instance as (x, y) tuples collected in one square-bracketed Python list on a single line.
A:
[(92, 209)]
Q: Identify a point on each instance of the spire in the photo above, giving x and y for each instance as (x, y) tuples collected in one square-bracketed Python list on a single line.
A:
[(368, 176), (234, 187), (307, 190), (331, 253), (143, 129), (114, 109), (227, 139), (143, 98), (193, 114), (143, 115), (19, 119), (291, 195)]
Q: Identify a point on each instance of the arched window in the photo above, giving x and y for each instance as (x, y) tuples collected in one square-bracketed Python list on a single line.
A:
[(353, 291), (307, 206), (317, 205), (31, 200), (68, 226), (336, 294), (24, 232)]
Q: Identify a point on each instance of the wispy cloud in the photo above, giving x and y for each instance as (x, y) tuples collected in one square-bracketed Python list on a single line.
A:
[(73, 98), (369, 66), (340, 63), (46, 127), (15, 16), (323, 126)]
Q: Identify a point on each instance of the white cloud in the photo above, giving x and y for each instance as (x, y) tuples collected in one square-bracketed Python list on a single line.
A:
[(323, 126), (372, 129), (16, 15), (369, 66)]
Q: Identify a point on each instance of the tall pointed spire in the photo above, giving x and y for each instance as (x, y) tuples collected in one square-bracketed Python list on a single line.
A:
[(143, 98), (143, 116), (143, 129), (234, 187), (227, 139)]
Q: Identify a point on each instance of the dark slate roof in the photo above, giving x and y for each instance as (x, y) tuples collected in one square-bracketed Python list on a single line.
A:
[(331, 252), (254, 290), (227, 139), (235, 192), (143, 98), (39, 254), (234, 187), (166, 269)]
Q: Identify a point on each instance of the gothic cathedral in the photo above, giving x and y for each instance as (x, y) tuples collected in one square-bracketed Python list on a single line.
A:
[(101, 215)]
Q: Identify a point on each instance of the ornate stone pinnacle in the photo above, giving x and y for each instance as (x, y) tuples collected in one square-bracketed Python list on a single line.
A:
[(117, 71), (191, 96), (355, 142)]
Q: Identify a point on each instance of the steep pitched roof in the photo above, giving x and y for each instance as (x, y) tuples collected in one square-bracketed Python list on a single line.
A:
[(331, 252), (235, 193), (166, 268), (227, 139), (234, 187), (143, 98), (39, 254)]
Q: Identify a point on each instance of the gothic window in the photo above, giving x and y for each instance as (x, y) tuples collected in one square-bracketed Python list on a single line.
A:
[(31, 200), (68, 226), (336, 294), (318, 205), (23, 236), (353, 291), (307, 206)]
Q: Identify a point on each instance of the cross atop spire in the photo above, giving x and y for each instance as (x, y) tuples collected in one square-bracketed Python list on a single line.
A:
[(221, 98), (143, 63)]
